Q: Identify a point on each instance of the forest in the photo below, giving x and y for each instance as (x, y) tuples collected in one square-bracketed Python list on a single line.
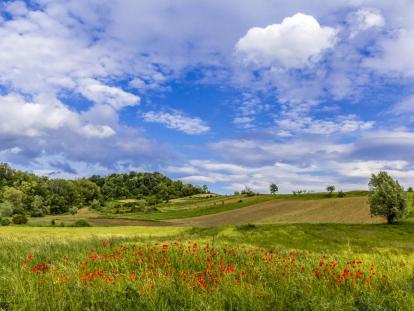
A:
[(26, 193)]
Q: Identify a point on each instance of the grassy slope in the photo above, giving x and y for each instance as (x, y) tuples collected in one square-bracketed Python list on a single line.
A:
[(191, 210)]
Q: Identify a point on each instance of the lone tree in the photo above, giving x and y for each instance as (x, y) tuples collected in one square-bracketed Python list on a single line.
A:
[(330, 189), (273, 188), (387, 197)]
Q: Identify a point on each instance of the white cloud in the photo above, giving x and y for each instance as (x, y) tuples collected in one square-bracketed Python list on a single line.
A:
[(293, 123), (178, 121), (103, 94), (16, 8), (365, 19), (258, 152), (294, 43), (244, 122), (396, 55), (99, 131), (21, 118), (405, 107), (310, 165)]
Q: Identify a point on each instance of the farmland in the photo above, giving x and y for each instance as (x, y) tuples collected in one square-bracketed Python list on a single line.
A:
[(230, 210)]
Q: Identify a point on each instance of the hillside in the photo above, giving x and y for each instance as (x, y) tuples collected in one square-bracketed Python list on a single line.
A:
[(353, 210), (26, 193), (231, 210)]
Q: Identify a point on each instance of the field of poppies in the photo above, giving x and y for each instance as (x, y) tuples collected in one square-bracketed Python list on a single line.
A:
[(238, 268)]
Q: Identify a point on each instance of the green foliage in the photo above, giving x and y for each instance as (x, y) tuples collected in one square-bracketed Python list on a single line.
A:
[(37, 213), (22, 192), (73, 210), (142, 185), (247, 191), (273, 188), (410, 189), (95, 204), (330, 189), (5, 222), (387, 197), (6, 209), (341, 194), (19, 219), (81, 223)]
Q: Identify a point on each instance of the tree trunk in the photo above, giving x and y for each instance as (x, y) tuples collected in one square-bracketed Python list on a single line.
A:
[(390, 219)]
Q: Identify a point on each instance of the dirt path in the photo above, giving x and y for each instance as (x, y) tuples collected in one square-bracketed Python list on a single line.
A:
[(354, 210)]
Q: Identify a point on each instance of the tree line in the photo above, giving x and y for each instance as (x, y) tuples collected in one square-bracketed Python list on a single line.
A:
[(26, 193)]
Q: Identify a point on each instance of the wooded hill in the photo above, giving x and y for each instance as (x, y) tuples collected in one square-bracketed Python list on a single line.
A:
[(23, 192)]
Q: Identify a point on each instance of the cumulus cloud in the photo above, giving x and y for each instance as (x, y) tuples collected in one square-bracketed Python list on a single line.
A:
[(21, 118), (294, 43), (178, 121)]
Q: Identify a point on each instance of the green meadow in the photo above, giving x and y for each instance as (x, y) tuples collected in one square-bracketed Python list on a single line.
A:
[(247, 267)]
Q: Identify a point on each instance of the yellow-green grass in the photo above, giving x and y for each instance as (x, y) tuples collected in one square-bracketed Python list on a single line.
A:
[(38, 234), (267, 267)]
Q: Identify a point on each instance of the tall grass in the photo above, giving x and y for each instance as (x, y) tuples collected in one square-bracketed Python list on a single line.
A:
[(211, 269)]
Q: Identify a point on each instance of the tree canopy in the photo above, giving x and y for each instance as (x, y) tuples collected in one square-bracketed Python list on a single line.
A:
[(387, 197)]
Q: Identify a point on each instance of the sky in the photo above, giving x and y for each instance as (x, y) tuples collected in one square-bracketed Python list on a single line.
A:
[(230, 94)]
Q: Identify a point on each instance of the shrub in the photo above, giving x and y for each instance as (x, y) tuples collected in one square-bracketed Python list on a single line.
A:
[(5, 222), (6, 209), (81, 223), (95, 204), (73, 210), (37, 213), (53, 222), (341, 194), (19, 219), (248, 192)]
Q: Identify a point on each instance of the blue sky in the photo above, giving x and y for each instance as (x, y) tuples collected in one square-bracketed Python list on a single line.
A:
[(224, 93)]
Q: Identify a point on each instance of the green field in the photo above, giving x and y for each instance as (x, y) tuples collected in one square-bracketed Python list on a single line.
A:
[(324, 263), (266, 267)]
